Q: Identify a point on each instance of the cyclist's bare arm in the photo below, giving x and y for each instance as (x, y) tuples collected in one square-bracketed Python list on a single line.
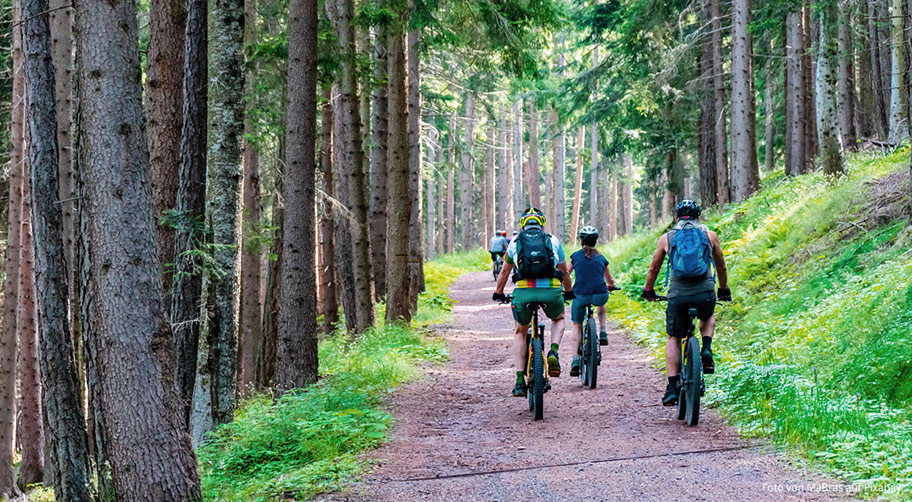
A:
[(502, 278), (657, 259), (719, 260), (608, 279), (567, 282), (569, 268)]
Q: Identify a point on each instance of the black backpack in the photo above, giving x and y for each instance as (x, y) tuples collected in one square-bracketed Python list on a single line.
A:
[(534, 256)]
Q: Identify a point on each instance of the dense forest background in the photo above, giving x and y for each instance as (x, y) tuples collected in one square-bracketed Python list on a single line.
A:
[(197, 193)]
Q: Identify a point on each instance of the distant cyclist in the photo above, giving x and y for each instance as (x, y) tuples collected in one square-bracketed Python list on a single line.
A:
[(590, 288), (693, 250), (536, 260), (498, 247)]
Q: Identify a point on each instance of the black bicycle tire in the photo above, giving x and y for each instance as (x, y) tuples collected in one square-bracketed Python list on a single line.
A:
[(694, 370), (584, 353), (593, 354), (682, 391), (538, 379)]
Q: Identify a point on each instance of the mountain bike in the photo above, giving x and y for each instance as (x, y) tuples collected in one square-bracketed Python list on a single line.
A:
[(537, 382), (498, 266), (691, 386), (589, 351)]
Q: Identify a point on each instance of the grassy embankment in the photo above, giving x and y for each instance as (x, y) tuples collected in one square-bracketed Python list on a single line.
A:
[(816, 350), (308, 442)]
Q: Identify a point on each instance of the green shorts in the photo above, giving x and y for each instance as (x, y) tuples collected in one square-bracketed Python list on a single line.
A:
[(552, 300)]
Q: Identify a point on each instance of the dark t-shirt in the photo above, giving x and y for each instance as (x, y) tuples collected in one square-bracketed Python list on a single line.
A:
[(590, 274)]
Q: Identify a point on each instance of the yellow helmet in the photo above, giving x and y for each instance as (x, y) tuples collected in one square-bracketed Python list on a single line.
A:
[(532, 216)]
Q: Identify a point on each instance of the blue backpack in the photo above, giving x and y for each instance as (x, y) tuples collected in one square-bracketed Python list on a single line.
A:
[(689, 253)]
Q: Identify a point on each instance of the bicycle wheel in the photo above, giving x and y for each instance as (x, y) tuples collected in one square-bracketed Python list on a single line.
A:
[(693, 382), (593, 342), (584, 354), (537, 390), (682, 389)]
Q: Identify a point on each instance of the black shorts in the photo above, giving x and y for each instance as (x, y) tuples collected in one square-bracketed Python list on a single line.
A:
[(495, 254), (677, 322)]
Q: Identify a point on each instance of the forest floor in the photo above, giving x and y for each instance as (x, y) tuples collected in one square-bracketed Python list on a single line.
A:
[(459, 435)]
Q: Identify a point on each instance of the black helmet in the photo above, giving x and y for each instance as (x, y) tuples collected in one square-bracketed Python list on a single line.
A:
[(588, 235), (688, 210)]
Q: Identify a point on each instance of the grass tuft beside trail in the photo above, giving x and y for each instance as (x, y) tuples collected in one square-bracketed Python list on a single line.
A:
[(816, 350), (309, 441)]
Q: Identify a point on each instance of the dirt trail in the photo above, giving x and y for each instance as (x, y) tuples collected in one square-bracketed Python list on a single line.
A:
[(622, 444)]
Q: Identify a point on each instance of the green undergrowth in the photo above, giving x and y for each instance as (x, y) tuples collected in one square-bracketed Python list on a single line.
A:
[(309, 442), (816, 349)]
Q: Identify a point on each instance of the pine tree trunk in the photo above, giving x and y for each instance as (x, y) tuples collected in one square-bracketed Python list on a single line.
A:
[(329, 286), (560, 229), (808, 66), (191, 202), (163, 108), (795, 130), (827, 90), (628, 194), (510, 192), (577, 184), (266, 352), (720, 140), (416, 238), (351, 164), (398, 280), (518, 199), (379, 164), (466, 171), (451, 200), (31, 469), (488, 194), (612, 208), (503, 161), (54, 414), (864, 112), (745, 177), (533, 172), (441, 216), (593, 178), (898, 129), (706, 146), (877, 74), (140, 401), (296, 340), (251, 321), (846, 63), (342, 239), (769, 112), (10, 334), (224, 183), (431, 234)]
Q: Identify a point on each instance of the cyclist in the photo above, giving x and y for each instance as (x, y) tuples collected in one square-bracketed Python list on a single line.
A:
[(591, 288), (536, 260), (696, 248), (498, 247)]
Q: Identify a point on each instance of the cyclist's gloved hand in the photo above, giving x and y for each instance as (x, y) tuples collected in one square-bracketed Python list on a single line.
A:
[(613, 288), (725, 295), (568, 295), (499, 297), (649, 295)]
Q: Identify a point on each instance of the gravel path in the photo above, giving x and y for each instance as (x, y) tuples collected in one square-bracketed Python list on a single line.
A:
[(461, 421)]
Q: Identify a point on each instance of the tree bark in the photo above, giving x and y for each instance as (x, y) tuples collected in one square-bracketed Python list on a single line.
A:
[(593, 178), (706, 145), (846, 64), (503, 156), (745, 175), (163, 93), (379, 164), (224, 175), (466, 175), (251, 322), (416, 237), (329, 286), (10, 334), (296, 343), (577, 185), (864, 112), (55, 415), (342, 215), (613, 208), (123, 301), (507, 153), (191, 202), (433, 148), (398, 280), (827, 90), (533, 172), (808, 66), (628, 194), (720, 140), (878, 78), (352, 168), (769, 105), (795, 130), (451, 190), (266, 352), (31, 469), (898, 129), (559, 174), (518, 200)]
